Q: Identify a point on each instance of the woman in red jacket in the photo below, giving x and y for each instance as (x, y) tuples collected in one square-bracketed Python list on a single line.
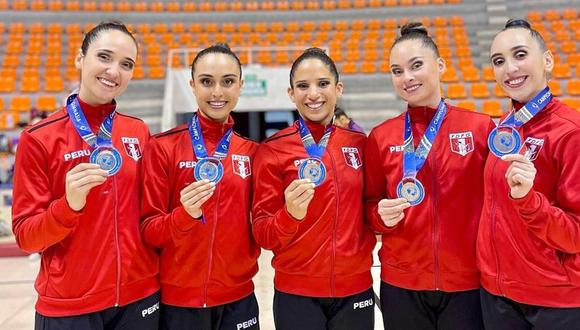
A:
[(76, 199), (529, 237), (423, 193), (196, 206), (308, 209)]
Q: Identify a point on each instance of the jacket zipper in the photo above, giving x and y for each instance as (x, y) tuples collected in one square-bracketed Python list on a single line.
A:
[(210, 259), (492, 234), (333, 257), (118, 291), (435, 227)]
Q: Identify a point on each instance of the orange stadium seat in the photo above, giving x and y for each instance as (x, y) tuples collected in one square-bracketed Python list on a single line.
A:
[(157, 6), (449, 75), (140, 6), (492, 108), (573, 87), (456, 21), (123, 6), (20, 103), (552, 15), (561, 71), (344, 4), (252, 6), (456, 91), (89, 6), (349, 67), (573, 103), (467, 104), (368, 67), (498, 91), (107, 6), (568, 47), (439, 21), (555, 87), (72, 73), (312, 5), (470, 73), (29, 84), (156, 72), (46, 103), (53, 83), (10, 61), (329, 4), (534, 16), (569, 14), (487, 73), (17, 28), (173, 7), (574, 60), (7, 84), (138, 72), (19, 5), (479, 90), (384, 66)]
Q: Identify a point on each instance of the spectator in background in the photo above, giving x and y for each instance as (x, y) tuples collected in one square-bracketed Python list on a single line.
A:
[(344, 121)]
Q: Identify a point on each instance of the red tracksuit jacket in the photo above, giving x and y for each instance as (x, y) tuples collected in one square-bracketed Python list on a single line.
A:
[(93, 259), (328, 253), (433, 247), (202, 265), (528, 249)]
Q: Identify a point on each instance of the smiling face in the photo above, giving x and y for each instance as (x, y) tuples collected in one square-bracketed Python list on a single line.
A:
[(216, 85), (107, 67), (314, 91), (415, 72), (519, 64)]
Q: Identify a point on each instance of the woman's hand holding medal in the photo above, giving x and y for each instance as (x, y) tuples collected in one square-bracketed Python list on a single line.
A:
[(298, 196), (79, 181), (391, 210), (520, 175), (195, 195)]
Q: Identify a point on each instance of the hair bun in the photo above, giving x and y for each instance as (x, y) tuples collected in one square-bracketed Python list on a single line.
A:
[(315, 50), (518, 23), (413, 27), (222, 45)]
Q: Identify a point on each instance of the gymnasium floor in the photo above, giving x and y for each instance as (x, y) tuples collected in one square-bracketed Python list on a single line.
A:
[(17, 295)]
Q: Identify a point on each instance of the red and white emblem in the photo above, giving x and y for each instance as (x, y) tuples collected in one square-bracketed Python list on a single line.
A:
[(132, 147), (532, 148), (352, 157), (241, 165), (461, 143)]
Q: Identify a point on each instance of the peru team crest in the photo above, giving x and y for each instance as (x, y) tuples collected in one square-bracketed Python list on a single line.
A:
[(532, 147), (352, 157), (241, 165), (132, 147), (461, 143)]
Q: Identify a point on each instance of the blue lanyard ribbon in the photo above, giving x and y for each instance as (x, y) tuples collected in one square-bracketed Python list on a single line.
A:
[(198, 144), (413, 160), (103, 138), (314, 150), (529, 110)]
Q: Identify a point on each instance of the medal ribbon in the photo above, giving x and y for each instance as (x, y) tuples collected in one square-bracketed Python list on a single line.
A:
[(314, 150), (529, 110), (413, 160), (103, 138), (198, 144)]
